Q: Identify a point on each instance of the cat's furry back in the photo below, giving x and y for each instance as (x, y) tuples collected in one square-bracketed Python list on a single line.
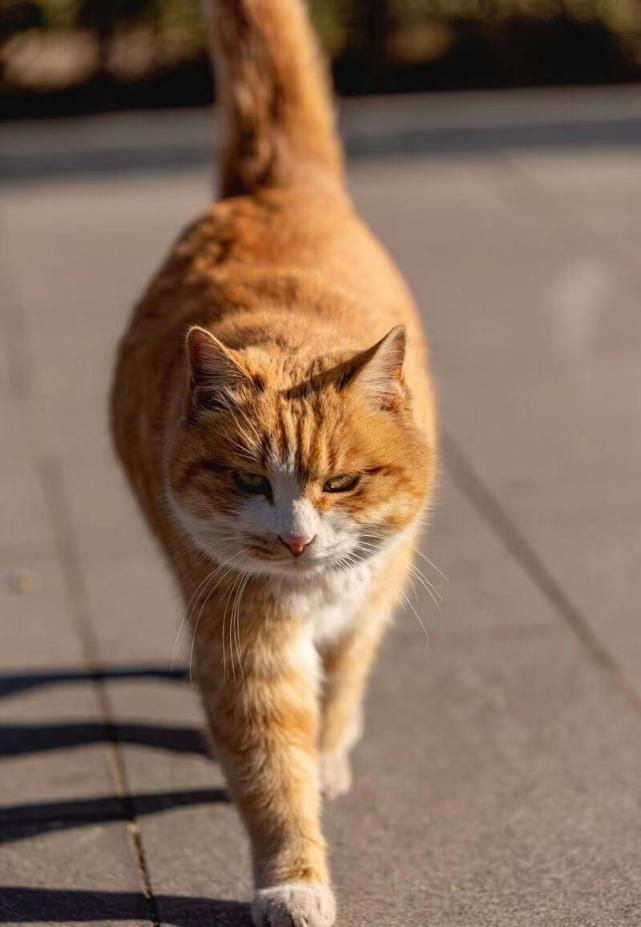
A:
[(273, 411)]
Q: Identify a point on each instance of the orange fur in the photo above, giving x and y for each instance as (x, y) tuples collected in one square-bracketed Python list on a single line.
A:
[(285, 300)]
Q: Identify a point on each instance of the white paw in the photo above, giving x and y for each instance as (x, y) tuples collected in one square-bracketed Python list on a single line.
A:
[(335, 773), (294, 904)]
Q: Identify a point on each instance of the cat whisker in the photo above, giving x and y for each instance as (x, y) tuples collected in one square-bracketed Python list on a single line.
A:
[(185, 616), (431, 590), (418, 617), (433, 565), (234, 585), (194, 598), (210, 592), (236, 609), (415, 572), (194, 549)]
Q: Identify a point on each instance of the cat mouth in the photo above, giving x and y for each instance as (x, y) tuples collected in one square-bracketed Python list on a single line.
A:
[(292, 567), (274, 563), (298, 564)]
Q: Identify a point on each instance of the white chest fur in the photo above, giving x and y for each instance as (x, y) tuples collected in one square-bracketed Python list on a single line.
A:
[(332, 604)]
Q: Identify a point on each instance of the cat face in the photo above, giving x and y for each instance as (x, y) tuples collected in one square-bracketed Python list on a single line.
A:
[(292, 469)]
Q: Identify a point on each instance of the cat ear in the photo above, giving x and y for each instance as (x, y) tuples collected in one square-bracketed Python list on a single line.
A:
[(214, 369), (378, 371)]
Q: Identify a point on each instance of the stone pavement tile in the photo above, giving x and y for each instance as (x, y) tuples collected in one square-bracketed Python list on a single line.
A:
[(77, 279), (24, 521), (63, 840), (70, 877), (200, 853), (589, 173), (23, 513), (496, 785), (135, 608), (37, 628), (59, 810), (174, 753), (63, 836), (414, 206), (83, 266), (194, 841), (60, 849), (480, 593), (597, 197)]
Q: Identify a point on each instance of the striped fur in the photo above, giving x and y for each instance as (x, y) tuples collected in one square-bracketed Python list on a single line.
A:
[(275, 355)]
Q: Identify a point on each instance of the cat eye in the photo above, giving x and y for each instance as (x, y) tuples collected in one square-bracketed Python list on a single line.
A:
[(213, 467), (253, 483), (342, 483)]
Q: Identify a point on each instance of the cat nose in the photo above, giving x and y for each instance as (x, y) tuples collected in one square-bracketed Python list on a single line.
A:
[(296, 543)]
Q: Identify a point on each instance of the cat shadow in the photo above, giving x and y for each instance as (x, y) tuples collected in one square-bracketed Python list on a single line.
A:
[(19, 739), (19, 822), (22, 905), (16, 683)]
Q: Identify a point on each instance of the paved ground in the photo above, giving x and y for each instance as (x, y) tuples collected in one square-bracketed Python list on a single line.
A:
[(498, 784)]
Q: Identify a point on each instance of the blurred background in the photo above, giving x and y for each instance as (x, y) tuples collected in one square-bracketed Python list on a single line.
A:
[(73, 56), (494, 147)]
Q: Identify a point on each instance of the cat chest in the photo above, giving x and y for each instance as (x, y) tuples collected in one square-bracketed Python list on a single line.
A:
[(333, 608)]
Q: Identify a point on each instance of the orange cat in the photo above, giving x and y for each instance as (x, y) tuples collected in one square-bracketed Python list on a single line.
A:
[(273, 411)]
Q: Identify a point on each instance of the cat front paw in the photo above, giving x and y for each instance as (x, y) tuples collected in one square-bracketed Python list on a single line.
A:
[(294, 904), (335, 773)]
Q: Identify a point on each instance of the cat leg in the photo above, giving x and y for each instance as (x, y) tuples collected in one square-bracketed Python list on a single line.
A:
[(264, 725), (346, 667), (347, 662)]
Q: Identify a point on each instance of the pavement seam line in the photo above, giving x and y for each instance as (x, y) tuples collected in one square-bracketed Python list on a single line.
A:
[(23, 380), (491, 510), (52, 480)]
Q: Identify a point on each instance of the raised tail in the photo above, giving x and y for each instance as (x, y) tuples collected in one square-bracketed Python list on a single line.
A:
[(271, 83)]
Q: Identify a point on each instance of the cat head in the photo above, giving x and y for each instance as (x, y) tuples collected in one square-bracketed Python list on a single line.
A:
[(291, 467)]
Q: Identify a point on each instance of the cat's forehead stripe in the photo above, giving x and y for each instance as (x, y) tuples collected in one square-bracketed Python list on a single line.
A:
[(294, 440)]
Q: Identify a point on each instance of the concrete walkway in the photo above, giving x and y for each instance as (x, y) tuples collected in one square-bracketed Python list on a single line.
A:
[(499, 781)]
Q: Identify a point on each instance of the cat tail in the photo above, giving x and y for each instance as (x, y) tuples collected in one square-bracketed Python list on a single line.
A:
[(271, 82)]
